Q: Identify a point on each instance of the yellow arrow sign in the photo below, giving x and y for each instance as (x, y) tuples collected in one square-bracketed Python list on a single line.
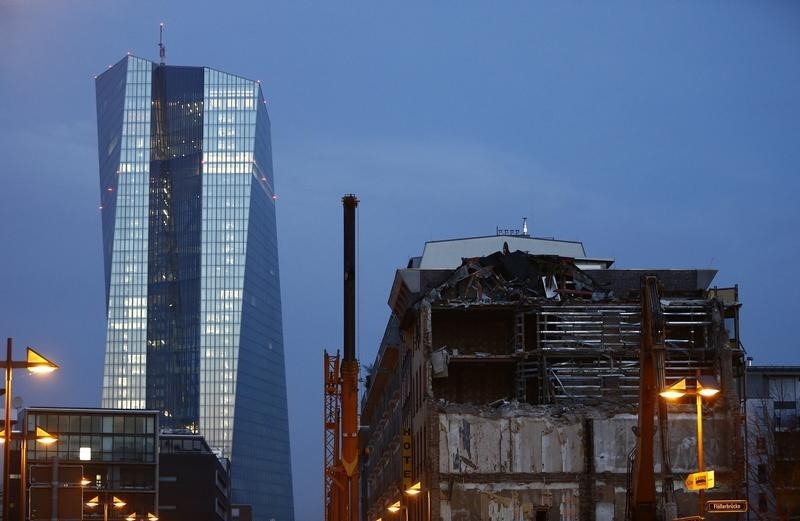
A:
[(700, 480)]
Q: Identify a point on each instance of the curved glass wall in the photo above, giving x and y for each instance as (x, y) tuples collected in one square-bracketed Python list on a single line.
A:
[(194, 312)]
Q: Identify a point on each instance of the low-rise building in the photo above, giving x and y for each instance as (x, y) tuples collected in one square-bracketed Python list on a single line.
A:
[(773, 431), (506, 386), (117, 451), (194, 482)]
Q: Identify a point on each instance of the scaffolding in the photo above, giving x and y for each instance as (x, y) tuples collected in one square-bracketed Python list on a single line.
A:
[(331, 433), (590, 351)]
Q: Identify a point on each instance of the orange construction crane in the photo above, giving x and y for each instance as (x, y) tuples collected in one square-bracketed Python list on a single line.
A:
[(341, 394), (332, 410), (643, 502)]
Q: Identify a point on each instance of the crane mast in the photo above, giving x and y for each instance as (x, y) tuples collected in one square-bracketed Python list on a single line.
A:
[(651, 380), (332, 411)]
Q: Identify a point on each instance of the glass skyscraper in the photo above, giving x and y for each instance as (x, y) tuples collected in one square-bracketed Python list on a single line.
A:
[(191, 266)]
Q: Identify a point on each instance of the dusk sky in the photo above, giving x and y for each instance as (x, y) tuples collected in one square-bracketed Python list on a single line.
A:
[(661, 134)]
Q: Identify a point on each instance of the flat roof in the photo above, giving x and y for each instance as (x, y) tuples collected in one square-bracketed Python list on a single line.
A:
[(447, 254), (773, 369), (90, 410)]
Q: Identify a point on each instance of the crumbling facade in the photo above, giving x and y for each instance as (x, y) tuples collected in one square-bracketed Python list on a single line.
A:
[(508, 388)]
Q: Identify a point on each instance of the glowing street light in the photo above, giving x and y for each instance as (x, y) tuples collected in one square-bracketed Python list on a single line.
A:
[(150, 517), (40, 436), (35, 363), (675, 391), (115, 501), (415, 490), (704, 387), (397, 507), (44, 437)]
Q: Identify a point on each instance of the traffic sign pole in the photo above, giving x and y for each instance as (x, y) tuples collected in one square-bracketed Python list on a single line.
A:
[(700, 467)]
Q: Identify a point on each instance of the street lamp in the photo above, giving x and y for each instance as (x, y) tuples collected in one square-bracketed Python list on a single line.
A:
[(397, 507), (414, 490), (150, 517), (704, 387), (115, 501), (35, 363), (39, 435)]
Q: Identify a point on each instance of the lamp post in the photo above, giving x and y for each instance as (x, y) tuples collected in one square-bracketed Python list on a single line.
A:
[(115, 501), (40, 435), (701, 389), (396, 507), (35, 363), (414, 490)]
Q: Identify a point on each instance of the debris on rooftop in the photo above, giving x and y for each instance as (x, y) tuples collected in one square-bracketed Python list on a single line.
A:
[(518, 277)]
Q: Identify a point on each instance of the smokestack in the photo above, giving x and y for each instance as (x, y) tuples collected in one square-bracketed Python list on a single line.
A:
[(349, 202)]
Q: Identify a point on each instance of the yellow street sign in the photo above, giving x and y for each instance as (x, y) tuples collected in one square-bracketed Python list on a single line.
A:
[(407, 447), (700, 480)]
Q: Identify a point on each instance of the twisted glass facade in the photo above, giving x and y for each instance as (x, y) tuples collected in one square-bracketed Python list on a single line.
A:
[(192, 281)]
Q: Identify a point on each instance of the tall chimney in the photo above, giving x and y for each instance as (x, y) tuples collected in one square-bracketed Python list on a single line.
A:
[(349, 202)]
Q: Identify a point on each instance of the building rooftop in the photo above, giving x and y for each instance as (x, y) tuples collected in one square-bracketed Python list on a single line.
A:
[(448, 254), (785, 369)]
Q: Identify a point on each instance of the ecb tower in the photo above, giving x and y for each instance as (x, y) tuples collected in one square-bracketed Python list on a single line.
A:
[(191, 266)]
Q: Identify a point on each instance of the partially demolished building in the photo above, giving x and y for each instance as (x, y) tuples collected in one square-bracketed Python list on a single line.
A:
[(506, 385)]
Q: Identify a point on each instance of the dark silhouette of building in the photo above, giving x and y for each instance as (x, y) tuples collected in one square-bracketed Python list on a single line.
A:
[(193, 481)]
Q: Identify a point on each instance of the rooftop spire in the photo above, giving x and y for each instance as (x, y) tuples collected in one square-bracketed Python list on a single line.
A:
[(162, 51)]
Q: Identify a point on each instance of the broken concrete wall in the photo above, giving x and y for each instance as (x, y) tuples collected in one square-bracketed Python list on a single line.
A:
[(614, 439), (472, 501), (517, 462), (471, 444)]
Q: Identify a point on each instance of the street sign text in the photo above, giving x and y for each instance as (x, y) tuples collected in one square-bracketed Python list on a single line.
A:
[(726, 505)]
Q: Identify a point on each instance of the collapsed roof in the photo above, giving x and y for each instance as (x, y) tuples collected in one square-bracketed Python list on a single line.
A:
[(504, 277), (519, 276)]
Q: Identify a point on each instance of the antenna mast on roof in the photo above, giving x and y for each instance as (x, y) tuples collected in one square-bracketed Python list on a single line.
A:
[(162, 51)]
